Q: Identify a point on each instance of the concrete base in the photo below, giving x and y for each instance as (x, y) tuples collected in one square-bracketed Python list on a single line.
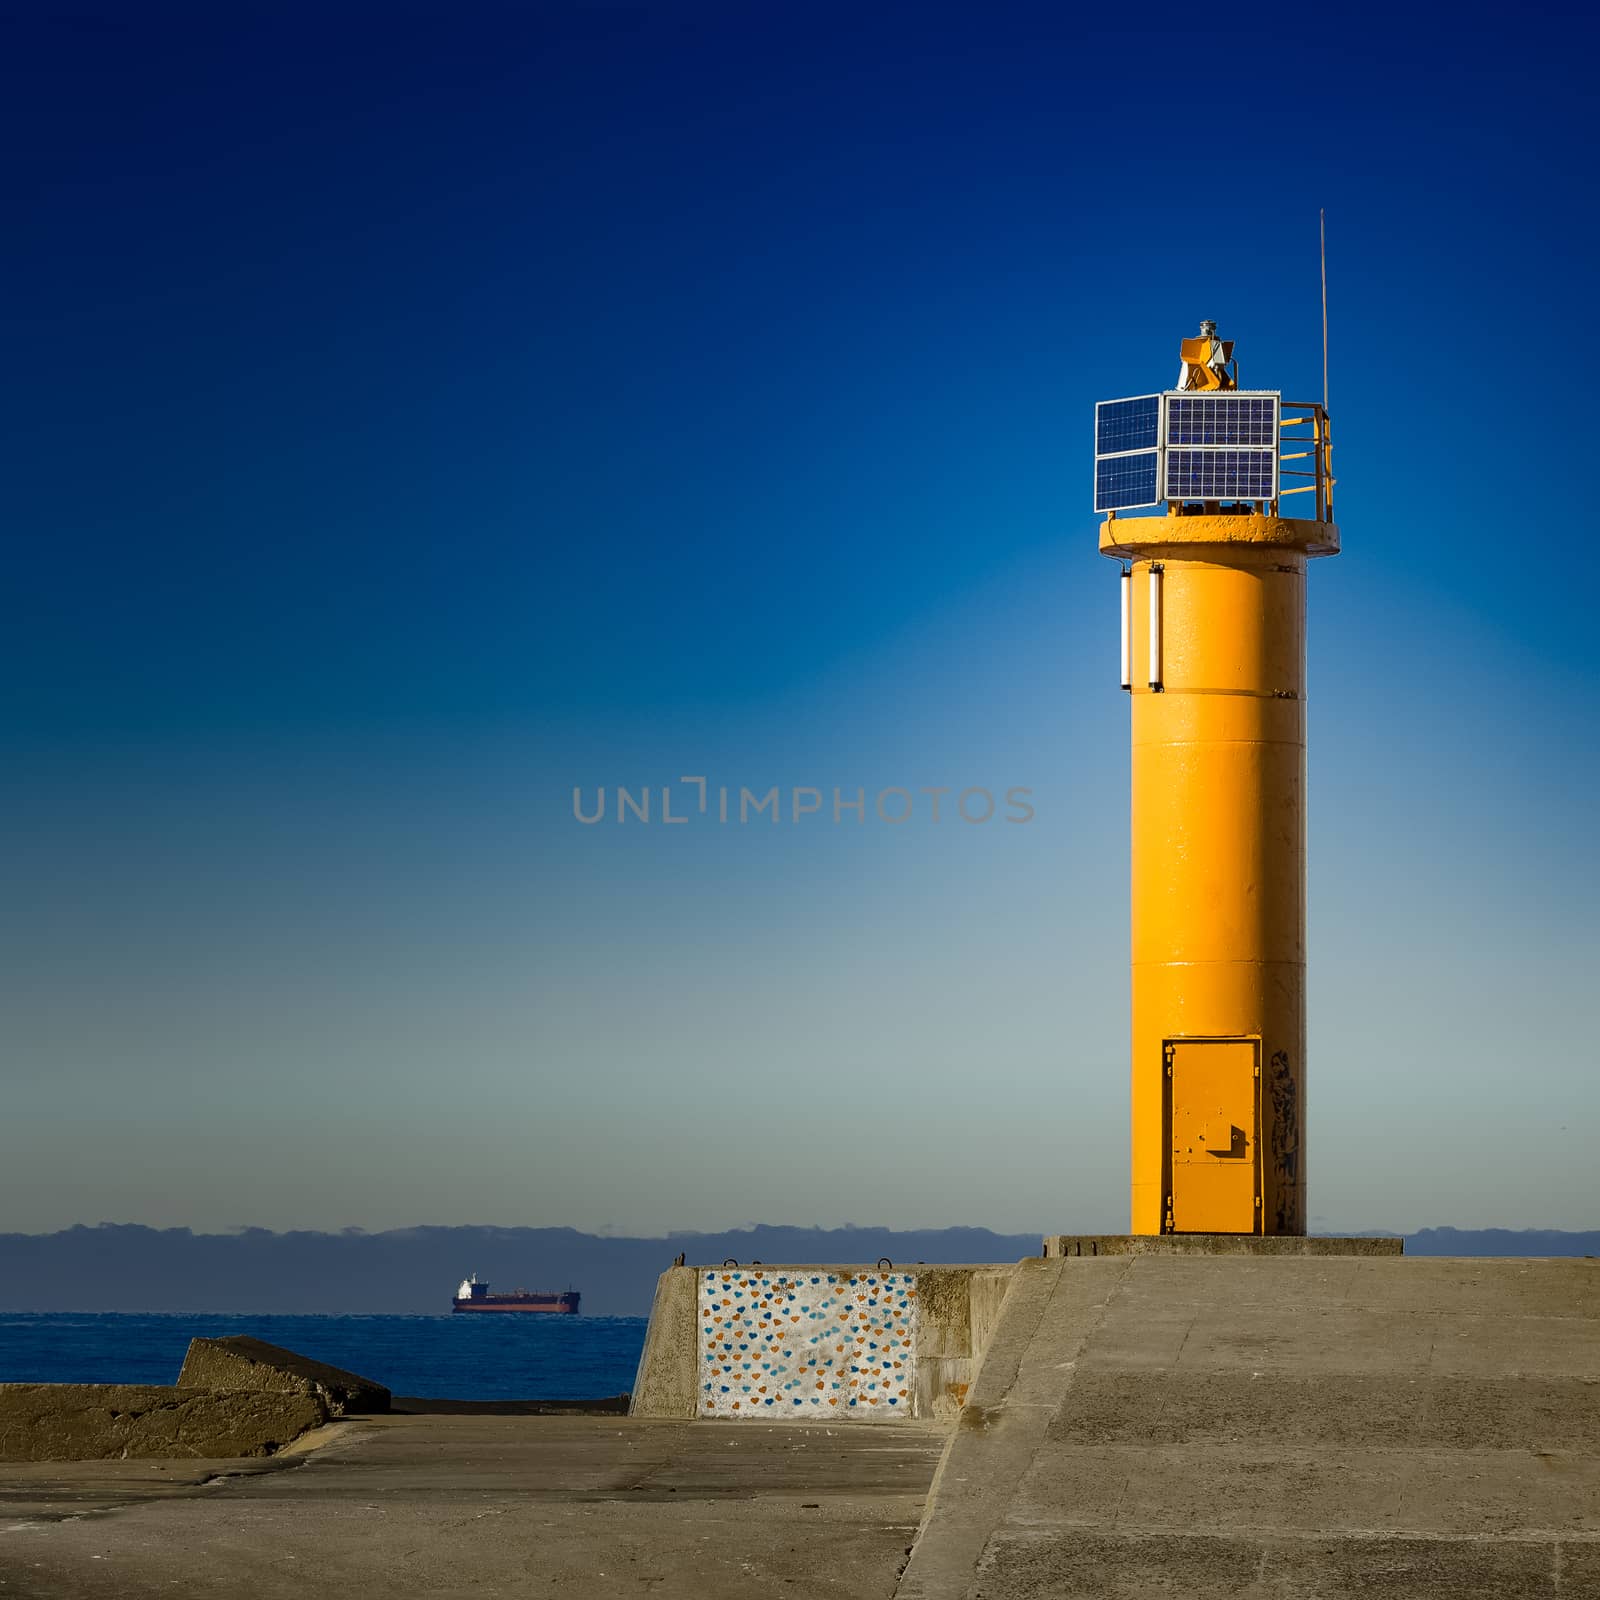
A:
[(1214, 1244), (1280, 1427)]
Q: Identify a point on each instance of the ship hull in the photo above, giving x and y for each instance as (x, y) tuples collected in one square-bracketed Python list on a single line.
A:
[(545, 1308)]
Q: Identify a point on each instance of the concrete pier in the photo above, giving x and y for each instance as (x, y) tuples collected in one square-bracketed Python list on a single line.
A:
[(586, 1508), (1280, 1424)]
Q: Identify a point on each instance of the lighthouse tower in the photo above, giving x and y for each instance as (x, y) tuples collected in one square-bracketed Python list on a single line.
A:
[(1235, 496)]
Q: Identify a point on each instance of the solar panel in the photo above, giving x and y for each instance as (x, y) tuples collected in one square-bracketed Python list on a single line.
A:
[(1222, 419), (1215, 474), (1122, 482), (1121, 425), (1185, 446), (1127, 445), (1220, 446)]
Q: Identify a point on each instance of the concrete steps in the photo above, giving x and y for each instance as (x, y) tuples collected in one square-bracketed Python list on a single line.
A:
[(1276, 1425)]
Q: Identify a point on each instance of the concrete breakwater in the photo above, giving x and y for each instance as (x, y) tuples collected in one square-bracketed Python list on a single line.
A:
[(233, 1397), (1143, 1418)]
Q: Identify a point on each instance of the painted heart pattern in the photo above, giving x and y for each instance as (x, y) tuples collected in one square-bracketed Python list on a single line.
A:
[(807, 1346)]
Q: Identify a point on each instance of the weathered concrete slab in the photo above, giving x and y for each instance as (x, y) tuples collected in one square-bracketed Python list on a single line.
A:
[(33, 1493), (87, 1422), (1281, 1426), (1215, 1244), (1188, 1563), (1226, 1487), (596, 1508), (236, 1397), (240, 1362)]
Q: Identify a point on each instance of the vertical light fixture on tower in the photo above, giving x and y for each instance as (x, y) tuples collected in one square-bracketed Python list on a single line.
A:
[(1217, 573)]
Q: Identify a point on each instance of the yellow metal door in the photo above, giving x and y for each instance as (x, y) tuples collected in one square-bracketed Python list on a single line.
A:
[(1213, 1093)]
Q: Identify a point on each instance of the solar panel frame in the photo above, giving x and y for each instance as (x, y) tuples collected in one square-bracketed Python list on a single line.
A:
[(1221, 446)]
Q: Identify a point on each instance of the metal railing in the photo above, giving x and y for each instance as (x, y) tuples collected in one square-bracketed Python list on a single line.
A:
[(1313, 417)]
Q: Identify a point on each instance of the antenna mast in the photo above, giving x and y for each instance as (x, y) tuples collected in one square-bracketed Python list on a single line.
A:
[(1322, 229)]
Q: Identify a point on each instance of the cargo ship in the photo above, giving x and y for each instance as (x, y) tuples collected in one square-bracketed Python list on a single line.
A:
[(473, 1295)]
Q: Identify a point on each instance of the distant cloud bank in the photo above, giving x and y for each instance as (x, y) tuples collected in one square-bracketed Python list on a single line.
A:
[(128, 1267)]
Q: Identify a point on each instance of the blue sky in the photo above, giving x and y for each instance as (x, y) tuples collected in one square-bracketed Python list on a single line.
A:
[(412, 413)]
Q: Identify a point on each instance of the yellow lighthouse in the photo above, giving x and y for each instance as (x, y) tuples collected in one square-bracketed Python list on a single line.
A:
[(1213, 659)]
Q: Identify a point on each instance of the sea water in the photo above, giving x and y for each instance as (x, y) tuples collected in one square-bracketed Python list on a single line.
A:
[(481, 1356)]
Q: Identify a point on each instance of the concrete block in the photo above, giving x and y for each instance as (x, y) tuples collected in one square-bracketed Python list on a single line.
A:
[(987, 1291), (668, 1380), (122, 1421), (944, 1311), (240, 1362), (1213, 1244), (960, 1308)]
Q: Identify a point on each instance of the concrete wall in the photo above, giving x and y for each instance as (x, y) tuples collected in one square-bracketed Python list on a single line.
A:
[(118, 1421), (960, 1308), (819, 1343)]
